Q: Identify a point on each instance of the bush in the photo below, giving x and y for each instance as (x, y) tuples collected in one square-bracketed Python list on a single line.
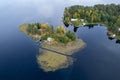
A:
[(44, 37), (71, 35), (60, 29), (63, 40)]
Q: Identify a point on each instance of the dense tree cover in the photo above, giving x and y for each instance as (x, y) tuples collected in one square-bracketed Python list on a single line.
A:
[(109, 15), (44, 30), (32, 29), (63, 35), (104, 14)]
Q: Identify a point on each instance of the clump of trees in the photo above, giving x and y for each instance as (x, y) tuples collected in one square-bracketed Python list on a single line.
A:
[(64, 36), (71, 35), (32, 29), (44, 30)]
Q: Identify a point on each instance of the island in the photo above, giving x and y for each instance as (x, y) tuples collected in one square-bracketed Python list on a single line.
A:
[(106, 15), (56, 45)]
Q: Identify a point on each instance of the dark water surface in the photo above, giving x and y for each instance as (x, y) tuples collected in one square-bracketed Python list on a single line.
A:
[(100, 60)]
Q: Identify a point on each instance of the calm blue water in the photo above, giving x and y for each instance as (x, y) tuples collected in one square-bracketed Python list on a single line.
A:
[(100, 60)]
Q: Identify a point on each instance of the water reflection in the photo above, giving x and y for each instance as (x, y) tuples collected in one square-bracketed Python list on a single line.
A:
[(75, 29), (114, 34), (89, 26), (118, 41), (51, 61), (66, 24), (110, 38)]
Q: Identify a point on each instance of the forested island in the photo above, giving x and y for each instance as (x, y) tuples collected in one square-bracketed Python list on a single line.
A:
[(60, 44), (107, 15)]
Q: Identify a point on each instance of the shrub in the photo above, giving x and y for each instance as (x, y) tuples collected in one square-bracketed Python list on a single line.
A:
[(71, 35), (60, 29), (63, 40)]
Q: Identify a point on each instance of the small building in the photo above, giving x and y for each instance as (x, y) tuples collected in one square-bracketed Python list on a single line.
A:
[(113, 36), (84, 24), (74, 19), (50, 40), (82, 20)]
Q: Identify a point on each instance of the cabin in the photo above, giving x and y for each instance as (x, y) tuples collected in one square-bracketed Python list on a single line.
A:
[(74, 19), (113, 36), (84, 24), (82, 20), (50, 40)]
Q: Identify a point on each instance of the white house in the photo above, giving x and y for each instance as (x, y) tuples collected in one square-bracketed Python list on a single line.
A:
[(49, 39), (113, 36), (74, 19), (84, 24), (82, 20)]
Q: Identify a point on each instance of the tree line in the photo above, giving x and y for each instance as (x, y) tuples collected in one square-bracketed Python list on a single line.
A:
[(105, 14)]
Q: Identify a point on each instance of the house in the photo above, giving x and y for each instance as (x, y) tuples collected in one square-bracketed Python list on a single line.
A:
[(113, 36), (82, 20), (50, 40), (84, 24), (74, 19)]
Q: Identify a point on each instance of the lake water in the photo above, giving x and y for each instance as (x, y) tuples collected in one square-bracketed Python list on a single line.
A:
[(100, 60)]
